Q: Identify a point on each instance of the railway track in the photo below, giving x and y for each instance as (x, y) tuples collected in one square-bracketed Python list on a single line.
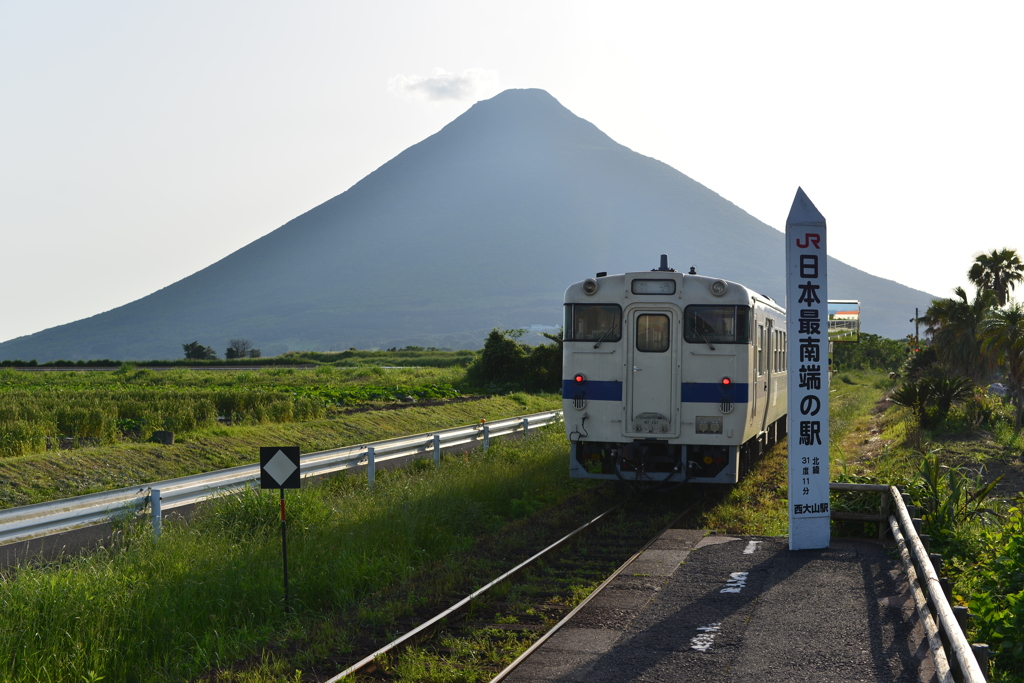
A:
[(479, 635)]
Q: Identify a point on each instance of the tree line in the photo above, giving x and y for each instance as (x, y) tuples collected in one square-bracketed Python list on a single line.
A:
[(237, 348), (974, 341)]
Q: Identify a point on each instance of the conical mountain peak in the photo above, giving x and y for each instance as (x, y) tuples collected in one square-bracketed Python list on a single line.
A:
[(513, 124), (482, 224)]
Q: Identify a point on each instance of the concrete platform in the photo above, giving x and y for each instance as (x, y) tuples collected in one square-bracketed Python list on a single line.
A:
[(721, 608)]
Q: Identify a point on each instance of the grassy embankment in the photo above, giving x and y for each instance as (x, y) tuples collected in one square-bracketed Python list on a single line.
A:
[(974, 518)]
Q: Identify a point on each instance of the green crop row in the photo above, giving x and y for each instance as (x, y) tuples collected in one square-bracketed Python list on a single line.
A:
[(29, 418), (363, 394), (270, 378), (408, 356), (33, 419)]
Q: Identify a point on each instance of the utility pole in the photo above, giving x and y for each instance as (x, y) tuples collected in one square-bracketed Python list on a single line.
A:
[(917, 322)]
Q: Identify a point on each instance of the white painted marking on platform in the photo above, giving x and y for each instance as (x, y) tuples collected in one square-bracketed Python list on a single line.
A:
[(703, 640), (737, 581), (751, 547)]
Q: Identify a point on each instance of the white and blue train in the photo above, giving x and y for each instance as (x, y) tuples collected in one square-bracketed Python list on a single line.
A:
[(671, 377)]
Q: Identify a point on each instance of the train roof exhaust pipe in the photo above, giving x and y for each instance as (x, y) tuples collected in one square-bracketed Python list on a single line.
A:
[(664, 265)]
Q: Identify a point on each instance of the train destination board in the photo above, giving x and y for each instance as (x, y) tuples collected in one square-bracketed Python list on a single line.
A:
[(807, 320)]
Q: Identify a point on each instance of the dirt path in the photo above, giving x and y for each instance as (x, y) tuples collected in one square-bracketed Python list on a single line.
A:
[(978, 452)]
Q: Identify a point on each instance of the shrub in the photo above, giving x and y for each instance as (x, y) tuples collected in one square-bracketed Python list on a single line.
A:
[(949, 497), (502, 361), (998, 602), (931, 396), (506, 364)]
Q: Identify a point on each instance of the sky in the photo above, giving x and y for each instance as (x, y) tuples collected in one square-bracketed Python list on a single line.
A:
[(141, 142)]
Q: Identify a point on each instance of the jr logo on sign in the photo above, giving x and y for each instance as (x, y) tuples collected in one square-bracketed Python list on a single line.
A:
[(809, 239)]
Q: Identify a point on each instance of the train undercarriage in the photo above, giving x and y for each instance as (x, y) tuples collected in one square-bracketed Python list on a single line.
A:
[(657, 461)]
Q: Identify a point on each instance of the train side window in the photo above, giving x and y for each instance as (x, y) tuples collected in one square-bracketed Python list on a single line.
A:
[(593, 322), (717, 324), (652, 333), (775, 350), (760, 349)]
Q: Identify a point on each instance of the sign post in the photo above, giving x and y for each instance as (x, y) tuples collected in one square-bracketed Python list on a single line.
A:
[(807, 346), (279, 469)]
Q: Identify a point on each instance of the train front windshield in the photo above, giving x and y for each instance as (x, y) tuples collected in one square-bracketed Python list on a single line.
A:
[(593, 322), (717, 324)]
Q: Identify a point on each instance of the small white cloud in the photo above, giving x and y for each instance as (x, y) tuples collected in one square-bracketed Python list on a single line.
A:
[(445, 86)]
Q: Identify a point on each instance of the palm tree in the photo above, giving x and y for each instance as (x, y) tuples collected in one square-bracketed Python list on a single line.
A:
[(954, 325), (1003, 332), (997, 272)]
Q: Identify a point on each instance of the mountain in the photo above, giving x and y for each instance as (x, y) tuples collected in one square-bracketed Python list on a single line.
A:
[(482, 224)]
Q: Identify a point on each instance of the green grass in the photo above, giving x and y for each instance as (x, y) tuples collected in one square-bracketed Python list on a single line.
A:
[(208, 595), (757, 505), (56, 474)]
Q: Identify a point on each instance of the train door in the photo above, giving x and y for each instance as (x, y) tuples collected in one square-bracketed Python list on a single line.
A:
[(653, 394), (757, 404), (767, 333)]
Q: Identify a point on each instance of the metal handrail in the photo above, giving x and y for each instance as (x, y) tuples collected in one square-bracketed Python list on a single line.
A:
[(43, 519), (902, 521)]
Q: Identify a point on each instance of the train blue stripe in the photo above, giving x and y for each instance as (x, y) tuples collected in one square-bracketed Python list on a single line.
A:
[(593, 390), (692, 392), (714, 392)]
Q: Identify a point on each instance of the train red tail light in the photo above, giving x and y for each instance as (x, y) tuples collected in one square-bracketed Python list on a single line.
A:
[(726, 381), (579, 378)]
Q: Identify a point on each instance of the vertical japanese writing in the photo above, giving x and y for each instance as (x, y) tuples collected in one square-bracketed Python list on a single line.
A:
[(807, 322)]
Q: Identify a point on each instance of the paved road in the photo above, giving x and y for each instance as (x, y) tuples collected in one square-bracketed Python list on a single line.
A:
[(719, 608)]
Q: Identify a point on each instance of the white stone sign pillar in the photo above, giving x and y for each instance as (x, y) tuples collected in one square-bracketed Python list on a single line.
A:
[(807, 346)]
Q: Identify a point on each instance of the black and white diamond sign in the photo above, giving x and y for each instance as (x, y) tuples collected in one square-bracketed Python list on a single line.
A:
[(279, 467)]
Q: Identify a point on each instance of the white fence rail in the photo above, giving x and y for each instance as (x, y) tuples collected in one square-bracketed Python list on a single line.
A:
[(43, 519), (955, 658)]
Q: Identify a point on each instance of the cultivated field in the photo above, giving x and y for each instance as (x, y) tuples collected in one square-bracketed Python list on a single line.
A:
[(65, 433)]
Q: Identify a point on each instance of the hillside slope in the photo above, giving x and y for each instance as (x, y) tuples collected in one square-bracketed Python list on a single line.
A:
[(482, 224)]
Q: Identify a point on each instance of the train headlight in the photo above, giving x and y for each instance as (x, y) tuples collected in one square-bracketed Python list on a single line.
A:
[(579, 378), (589, 286), (709, 425), (719, 287)]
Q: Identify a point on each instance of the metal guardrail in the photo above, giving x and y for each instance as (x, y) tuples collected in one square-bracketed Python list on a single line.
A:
[(955, 658), (42, 519)]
